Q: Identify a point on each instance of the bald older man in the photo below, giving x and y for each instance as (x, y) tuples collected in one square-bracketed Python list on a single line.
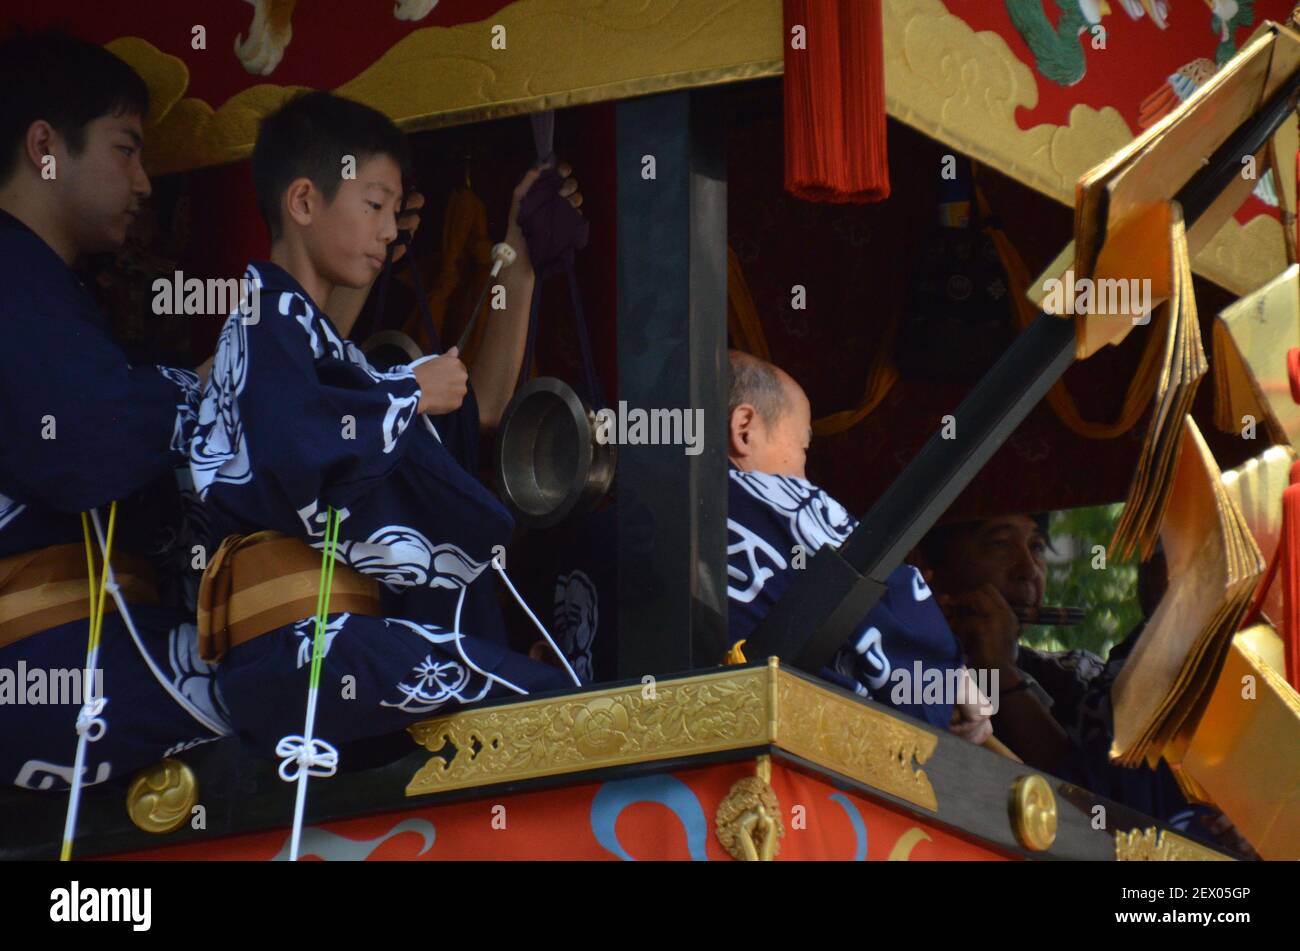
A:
[(777, 520)]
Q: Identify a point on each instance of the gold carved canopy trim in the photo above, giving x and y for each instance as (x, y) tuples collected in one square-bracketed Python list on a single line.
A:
[(1161, 845), (733, 709), (957, 85)]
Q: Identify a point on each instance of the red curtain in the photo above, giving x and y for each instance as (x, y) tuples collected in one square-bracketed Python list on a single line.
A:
[(835, 147)]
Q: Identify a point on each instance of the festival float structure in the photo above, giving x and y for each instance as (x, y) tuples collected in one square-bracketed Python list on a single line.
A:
[(763, 760)]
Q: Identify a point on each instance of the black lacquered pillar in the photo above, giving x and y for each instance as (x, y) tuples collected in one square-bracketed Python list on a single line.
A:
[(672, 338)]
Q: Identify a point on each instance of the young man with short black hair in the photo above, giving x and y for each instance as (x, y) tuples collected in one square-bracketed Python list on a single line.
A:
[(80, 428)]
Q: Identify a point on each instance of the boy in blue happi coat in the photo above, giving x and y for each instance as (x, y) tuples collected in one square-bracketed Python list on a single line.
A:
[(775, 516), (80, 428), (295, 421)]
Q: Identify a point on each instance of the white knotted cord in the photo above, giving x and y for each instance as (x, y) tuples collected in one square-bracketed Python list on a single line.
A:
[(303, 754), (319, 757)]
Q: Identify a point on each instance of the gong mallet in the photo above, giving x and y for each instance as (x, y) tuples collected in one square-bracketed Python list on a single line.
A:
[(502, 257)]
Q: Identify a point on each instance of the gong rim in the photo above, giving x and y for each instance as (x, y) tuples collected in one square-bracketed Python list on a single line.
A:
[(546, 461), (385, 344)]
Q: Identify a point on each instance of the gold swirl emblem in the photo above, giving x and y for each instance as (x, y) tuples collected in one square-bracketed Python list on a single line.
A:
[(162, 797), (1033, 812)]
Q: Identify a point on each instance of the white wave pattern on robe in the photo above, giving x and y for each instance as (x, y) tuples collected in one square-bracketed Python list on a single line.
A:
[(219, 451), (192, 395), (306, 631), (401, 557), (400, 412), (398, 556), (325, 341), (193, 677), (816, 519), (754, 575)]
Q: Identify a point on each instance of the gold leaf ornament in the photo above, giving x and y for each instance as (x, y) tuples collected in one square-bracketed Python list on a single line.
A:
[(748, 821)]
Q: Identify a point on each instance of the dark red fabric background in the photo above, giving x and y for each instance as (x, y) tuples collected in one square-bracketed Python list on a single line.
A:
[(332, 41)]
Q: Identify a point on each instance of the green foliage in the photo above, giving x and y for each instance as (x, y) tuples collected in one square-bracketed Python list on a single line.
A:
[(1108, 595)]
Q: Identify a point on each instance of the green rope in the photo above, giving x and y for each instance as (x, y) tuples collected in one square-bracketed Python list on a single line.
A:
[(323, 597)]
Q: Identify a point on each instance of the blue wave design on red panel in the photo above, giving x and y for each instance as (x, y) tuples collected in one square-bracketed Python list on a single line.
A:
[(612, 798)]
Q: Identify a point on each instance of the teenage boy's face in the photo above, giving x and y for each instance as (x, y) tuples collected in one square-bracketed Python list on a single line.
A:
[(358, 225), (104, 187)]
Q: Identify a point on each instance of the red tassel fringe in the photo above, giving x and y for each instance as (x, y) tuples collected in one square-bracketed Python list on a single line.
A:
[(835, 141)]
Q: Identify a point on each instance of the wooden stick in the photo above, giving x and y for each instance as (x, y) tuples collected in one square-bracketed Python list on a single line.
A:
[(997, 746)]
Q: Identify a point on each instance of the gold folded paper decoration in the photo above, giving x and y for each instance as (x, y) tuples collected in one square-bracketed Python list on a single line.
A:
[(1132, 250), (1183, 366), (1119, 202), (1242, 756), (1251, 340), (1213, 565)]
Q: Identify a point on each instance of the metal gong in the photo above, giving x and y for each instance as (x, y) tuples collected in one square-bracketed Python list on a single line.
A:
[(547, 461)]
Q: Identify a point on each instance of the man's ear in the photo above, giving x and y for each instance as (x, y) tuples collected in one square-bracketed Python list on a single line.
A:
[(300, 201), (741, 431), (39, 142)]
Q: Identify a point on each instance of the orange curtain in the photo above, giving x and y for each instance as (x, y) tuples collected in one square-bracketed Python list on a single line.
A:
[(835, 148)]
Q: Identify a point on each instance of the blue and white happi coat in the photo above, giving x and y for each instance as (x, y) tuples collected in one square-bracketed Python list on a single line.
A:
[(295, 420), (774, 525), (81, 427)]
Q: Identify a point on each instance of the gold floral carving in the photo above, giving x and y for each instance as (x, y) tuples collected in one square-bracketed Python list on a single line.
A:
[(162, 797), (636, 724), (748, 821), (1154, 845), (1033, 812), (856, 740), (733, 709)]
